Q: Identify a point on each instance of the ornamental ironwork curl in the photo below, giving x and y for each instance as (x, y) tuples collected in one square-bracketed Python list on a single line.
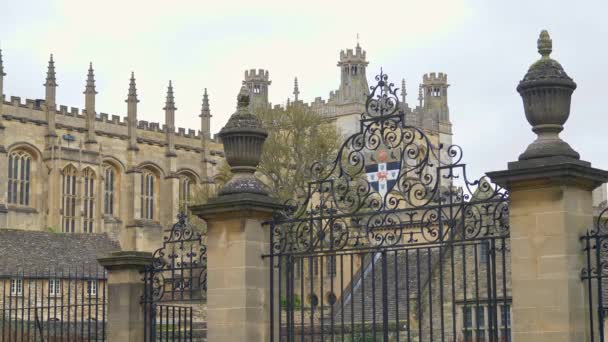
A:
[(389, 184), (596, 248), (179, 269)]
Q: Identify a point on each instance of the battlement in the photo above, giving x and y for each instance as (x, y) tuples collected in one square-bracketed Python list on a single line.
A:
[(435, 78), (37, 104), (350, 55), (257, 75)]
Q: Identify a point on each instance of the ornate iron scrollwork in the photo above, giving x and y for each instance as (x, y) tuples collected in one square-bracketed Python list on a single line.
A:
[(179, 270), (389, 184)]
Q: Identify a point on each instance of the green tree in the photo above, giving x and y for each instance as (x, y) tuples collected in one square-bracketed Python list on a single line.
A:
[(297, 138)]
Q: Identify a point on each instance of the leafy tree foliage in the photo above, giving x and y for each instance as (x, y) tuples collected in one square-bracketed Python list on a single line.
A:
[(297, 138)]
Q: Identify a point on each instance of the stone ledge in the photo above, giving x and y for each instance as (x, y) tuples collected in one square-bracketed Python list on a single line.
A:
[(126, 260), (236, 203), (144, 224), (549, 171)]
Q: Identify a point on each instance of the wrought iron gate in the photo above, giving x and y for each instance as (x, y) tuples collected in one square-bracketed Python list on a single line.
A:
[(175, 285), (595, 275), (391, 242)]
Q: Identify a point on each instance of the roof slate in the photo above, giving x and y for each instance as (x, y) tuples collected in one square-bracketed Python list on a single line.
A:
[(42, 252)]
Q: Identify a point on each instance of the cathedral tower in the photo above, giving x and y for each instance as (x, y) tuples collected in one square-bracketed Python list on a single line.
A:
[(435, 90), (353, 80), (257, 81)]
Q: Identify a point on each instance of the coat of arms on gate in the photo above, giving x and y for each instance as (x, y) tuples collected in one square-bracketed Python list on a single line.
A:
[(383, 171)]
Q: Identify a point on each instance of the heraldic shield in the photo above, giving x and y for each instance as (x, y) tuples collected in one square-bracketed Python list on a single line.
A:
[(383, 171)]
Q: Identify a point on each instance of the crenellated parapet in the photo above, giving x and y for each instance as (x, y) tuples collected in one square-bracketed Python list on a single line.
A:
[(357, 55), (32, 110), (257, 75), (435, 78)]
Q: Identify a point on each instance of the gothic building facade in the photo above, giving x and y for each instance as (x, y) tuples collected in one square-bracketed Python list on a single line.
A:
[(81, 171), (73, 170)]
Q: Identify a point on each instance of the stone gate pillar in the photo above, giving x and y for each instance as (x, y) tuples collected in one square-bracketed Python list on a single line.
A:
[(125, 289), (238, 285), (550, 208)]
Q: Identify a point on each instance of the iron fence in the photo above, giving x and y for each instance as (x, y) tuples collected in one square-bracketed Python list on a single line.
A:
[(391, 241), (66, 305), (595, 275)]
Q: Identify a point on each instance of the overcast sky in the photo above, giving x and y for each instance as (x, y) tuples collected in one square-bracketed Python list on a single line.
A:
[(484, 46)]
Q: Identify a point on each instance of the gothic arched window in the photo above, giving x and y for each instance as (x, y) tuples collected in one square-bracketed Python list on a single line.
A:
[(185, 192), (19, 176), (88, 201), (68, 200), (108, 191), (148, 192)]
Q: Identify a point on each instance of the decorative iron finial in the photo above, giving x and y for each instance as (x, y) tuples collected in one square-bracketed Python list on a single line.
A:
[(90, 86), (51, 81), (170, 101), (1, 65), (545, 44), (205, 110), (296, 89), (132, 94)]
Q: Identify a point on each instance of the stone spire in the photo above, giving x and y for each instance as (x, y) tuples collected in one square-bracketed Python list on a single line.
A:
[(132, 113), (205, 117), (50, 93), (403, 91), (170, 121), (296, 89), (2, 74), (89, 105), (420, 97), (546, 91)]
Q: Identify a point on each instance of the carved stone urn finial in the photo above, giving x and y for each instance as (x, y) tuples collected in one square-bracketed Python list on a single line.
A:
[(546, 91), (243, 137)]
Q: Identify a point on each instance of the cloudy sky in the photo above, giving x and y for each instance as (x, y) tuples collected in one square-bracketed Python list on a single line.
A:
[(484, 46)]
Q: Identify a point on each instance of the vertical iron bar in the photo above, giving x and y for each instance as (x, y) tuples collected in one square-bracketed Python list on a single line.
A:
[(4, 304), (103, 306), (419, 293), (374, 295), (179, 323), (363, 293), (302, 298), (83, 300), (385, 296), (270, 233), (464, 275), (590, 283), (145, 304), (342, 296), (160, 326), (22, 302), (476, 274), (69, 300), (493, 301), (29, 303), (489, 292), (352, 295), (430, 271), (598, 263), (407, 295), (504, 288), (280, 297), (396, 270), (321, 274)]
